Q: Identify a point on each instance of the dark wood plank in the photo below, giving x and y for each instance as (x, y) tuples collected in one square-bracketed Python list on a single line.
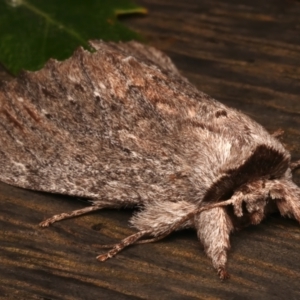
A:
[(243, 53)]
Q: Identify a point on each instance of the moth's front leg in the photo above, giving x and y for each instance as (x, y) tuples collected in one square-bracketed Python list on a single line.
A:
[(213, 228), (287, 197)]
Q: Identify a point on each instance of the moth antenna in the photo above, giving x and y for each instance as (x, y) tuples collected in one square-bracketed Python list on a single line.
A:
[(133, 239)]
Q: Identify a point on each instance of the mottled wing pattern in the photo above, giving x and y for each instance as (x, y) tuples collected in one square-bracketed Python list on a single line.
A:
[(119, 122), (86, 126)]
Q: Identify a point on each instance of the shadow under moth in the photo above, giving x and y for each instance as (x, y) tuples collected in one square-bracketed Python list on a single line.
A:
[(123, 128)]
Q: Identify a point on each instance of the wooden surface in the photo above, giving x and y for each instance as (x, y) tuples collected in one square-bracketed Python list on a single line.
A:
[(244, 53)]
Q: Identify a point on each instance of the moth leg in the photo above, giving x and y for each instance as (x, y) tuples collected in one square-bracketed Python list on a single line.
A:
[(213, 229), (123, 244), (277, 133), (287, 197), (156, 220), (186, 221), (96, 206), (155, 216), (71, 214), (295, 165)]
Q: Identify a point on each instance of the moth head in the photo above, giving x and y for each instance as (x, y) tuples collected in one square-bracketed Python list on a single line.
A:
[(256, 199), (262, 182)]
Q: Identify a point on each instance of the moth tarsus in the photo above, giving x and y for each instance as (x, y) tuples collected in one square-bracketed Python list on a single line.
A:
[(122, 127), (279, 132), (63, 216), (295, 165), (130, 240), (223, 274)]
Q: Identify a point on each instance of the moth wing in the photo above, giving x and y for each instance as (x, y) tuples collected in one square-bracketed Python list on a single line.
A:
[(143, 53), (121, 123), (82, 127)]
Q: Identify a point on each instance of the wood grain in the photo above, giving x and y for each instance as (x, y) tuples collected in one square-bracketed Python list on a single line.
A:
[(245, 54)]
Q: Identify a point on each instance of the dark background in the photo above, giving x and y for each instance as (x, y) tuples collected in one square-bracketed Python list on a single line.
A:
[(245, 54)]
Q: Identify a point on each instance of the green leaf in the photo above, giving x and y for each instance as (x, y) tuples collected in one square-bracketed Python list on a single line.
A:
[(32, 31)]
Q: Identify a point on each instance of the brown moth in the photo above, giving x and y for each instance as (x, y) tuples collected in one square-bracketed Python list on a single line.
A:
[(122, 127)]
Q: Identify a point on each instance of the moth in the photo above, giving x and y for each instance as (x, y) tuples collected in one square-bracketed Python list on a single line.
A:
[(121, 127)]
